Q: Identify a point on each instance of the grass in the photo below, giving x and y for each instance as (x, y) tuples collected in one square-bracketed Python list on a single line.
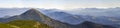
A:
[(23, 24)]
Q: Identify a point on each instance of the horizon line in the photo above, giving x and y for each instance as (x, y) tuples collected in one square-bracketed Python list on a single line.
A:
[(61, 8)]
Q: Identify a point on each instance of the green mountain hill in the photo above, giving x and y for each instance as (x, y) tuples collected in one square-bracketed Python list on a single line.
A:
[(3, 25), (28, 24), (23, 24)]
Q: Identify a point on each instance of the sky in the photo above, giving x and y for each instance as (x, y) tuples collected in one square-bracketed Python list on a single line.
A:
[(59, 4)]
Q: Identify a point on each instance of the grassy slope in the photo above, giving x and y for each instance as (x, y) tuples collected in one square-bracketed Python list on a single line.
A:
[(24, 24), (2, 25)]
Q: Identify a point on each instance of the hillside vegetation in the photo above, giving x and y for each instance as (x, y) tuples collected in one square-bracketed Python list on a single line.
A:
[(23, 24)]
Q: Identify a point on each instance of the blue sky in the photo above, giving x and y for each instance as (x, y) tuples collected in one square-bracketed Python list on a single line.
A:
[(60, 4)]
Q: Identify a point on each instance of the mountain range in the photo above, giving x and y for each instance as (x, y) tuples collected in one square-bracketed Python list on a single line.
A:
[(54, 21)]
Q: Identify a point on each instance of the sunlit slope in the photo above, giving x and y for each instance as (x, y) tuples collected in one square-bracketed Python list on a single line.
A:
[(23, 24), (28, 24), (2, 25)]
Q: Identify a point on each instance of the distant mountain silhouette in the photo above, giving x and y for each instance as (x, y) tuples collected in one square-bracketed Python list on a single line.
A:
[(66, 17), (36, 15)]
